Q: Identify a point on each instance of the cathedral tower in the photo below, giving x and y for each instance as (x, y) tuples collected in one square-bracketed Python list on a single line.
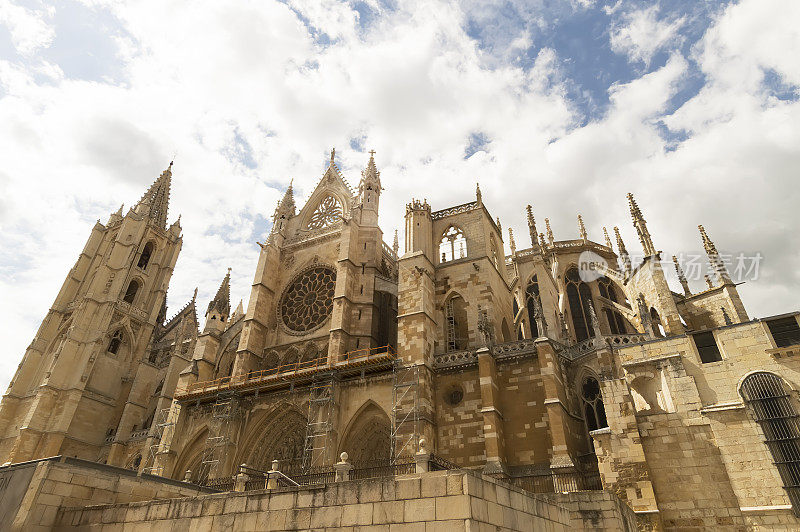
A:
[(70, 389)]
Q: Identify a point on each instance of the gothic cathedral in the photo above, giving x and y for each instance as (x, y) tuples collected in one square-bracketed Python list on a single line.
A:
[(542, 368)]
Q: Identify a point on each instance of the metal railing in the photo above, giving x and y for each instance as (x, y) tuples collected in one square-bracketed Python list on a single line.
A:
[(293, 370)]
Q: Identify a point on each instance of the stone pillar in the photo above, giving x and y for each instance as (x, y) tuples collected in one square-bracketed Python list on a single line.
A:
[(272, 476), (342, 468), (240, 481), (422, 458), (554, 393), (492, 415)]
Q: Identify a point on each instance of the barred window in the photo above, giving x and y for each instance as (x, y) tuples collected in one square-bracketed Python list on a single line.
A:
[(769, 401), (785, 331), (707, 347)]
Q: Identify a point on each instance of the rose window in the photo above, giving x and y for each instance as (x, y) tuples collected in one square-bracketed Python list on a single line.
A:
[(327, 213), (308, 301)]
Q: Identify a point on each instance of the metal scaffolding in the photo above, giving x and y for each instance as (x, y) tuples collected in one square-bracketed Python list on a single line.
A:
[(222, 412), (321, 410), (163, 425), (405, 409)]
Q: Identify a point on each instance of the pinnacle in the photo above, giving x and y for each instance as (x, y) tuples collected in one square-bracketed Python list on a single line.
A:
[(157, 197), (222, 301)]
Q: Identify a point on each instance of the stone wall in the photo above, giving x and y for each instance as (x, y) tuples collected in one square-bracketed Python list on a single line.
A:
[(31, 493), (437, 501)]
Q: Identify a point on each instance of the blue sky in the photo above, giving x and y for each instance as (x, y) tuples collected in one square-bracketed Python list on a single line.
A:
[(567, 105)]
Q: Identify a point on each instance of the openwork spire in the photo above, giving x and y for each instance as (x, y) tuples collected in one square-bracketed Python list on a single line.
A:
[(532, 226), (623, 253), (370, 176), (582, 228), (681, 276), (713, 257), (156, 200), (641, 227), (222, 301), (608, 240)]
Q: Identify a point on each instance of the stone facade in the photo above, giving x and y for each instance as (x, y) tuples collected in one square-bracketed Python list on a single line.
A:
[(559, 368), (429, 502)]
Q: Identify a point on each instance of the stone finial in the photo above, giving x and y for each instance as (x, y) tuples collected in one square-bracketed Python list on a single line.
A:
[(582, 229), (641, 227), (623, 253), (608, 240), (550, 237), (275, 465), (681, 276), (532, 226), (542, 243), (499, 227), (478, 196), (396, 244), (342, 468), (422, 444), (333, 154), (713, 257), (188, 476), (511, 242), (708, 281), (343, 457)]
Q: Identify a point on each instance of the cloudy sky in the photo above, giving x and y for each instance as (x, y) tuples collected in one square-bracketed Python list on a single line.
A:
[(564, 104)]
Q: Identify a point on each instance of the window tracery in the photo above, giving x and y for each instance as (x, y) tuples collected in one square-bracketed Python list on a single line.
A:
[(579, 296), (327, 213), (115, 343), (533, 304), (130, 292), (593, 407), (453, 245), (308, 301)]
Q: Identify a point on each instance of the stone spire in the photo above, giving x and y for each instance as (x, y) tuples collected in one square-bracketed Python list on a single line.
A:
[(499, 227), (582, 229), (681, 276), (532, 226), (478, 196), (511, 242), (623, 253), (550, 237), (155, 201), (221, 303), (608, 240), (286, 206), (641, 227), (713, 257), (396, 244), (370, 177)]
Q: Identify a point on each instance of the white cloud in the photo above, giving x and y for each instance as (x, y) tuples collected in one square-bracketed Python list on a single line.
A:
[(227, 88), (28, 28), (641, 34)]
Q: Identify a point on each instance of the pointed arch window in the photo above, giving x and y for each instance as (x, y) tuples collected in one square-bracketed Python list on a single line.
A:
[(144, 258), (579, 296), (131, 291), (768, 399), (593, 407), (456, 323), (115, 343), (532, 300), (453, 245), (607, 290)]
